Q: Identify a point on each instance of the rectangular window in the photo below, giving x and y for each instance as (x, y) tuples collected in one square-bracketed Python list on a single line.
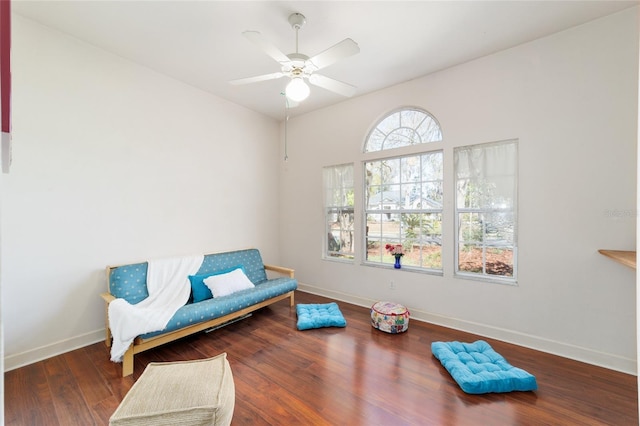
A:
[(403, 202), (338, 207), (486, 210)]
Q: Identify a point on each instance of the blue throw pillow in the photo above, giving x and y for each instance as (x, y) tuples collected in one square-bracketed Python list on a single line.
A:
[(199, 290)]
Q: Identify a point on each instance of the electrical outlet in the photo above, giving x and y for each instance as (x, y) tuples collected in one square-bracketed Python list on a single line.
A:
[(392, 285)]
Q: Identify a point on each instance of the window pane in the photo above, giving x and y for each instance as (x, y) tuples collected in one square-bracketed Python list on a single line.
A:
[(333, 236), (374, 237), (475, 194), (470, 258), (423, 256), (496, 261), (432, 166), (391, 228), (411, 118), (410, 169), (340, 241), (401, 137), (470, 228), (500, 261), (411, 195), (432, 195), (429, 130), (433, 227), (485, 175), (499, 228), (390, 171), (422, 240), (389, 124), (339, 211), (376, 138)]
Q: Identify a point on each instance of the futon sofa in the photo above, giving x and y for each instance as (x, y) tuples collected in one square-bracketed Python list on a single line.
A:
[(130, 283)]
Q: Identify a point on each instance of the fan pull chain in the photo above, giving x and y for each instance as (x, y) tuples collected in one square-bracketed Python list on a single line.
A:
[(286, 120)]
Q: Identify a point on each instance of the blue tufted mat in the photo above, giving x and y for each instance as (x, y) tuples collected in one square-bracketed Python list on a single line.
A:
[(477, 368), (319, 315)]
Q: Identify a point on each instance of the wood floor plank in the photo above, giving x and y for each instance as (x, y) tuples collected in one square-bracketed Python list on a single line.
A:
[(28, 398), (103, 410), (286, 407), (67, 396), (83, 370), (109, 372), (355, 375)]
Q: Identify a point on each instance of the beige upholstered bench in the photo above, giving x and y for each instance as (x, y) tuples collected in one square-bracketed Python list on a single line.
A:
[(180, 393)]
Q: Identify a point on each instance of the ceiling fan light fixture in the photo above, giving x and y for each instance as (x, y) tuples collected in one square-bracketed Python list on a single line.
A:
[(297, 90)]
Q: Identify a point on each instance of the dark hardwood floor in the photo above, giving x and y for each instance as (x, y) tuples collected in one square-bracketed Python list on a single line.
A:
[(333, 376)]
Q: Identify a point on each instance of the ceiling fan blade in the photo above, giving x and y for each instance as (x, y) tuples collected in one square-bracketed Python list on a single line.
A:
[(335, 86), (345, 48), (257, 78), (256, 38)]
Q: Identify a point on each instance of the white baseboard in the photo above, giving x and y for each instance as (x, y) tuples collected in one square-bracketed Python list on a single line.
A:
[(601, 359), (11, 362)]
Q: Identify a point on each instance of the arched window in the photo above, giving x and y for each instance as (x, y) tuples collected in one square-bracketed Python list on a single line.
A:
[(403, 194), (404, 127)]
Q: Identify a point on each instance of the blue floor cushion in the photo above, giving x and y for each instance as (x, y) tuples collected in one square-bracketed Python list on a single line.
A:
[(319, 315), (477, 368)]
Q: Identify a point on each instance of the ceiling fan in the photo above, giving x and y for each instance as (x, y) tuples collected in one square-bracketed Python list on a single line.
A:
[(299, 67)]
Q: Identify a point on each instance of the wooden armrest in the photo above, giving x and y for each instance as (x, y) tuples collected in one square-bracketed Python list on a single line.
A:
[(108, 297), (280, 269)]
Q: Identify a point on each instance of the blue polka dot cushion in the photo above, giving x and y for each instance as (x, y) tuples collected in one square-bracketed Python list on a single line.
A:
[(319, 315), (477, 368)]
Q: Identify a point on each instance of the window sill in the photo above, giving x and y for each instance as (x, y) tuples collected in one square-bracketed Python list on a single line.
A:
[(486, 279), (339, 260), (404, 268)]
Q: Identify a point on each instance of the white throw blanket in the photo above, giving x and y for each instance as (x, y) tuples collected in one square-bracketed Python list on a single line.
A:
[(169, 289)]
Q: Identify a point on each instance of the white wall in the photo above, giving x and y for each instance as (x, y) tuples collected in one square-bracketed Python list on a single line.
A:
[(571, 100), (115, 163)]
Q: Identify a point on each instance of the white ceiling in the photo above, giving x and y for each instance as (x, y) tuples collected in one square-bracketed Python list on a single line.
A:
[(201, 42)]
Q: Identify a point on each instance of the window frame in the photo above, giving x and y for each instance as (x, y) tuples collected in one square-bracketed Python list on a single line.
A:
[(400, 110), (483, 211), (399, 212), (499, 232), (327, 253), (427, 145)]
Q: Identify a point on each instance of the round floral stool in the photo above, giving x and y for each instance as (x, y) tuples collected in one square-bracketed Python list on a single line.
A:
[(390, 317)]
